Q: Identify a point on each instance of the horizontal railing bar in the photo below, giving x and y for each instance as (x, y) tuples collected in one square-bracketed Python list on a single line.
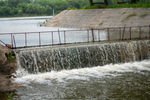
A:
[(39, 31), (119, 27)]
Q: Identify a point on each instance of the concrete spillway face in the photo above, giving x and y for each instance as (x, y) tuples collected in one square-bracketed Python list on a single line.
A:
[(46, 60)]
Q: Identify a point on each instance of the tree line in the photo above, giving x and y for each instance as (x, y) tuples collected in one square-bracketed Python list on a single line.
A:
[(46, 7), (38, 7)]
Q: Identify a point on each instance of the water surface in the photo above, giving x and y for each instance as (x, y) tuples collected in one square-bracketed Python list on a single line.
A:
[(128, 81), (21, 28)]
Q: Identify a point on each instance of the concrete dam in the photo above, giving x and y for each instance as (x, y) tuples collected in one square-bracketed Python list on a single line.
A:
[(58, 58)]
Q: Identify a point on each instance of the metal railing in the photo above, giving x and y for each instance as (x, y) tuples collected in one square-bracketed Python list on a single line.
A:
[(43, 38)]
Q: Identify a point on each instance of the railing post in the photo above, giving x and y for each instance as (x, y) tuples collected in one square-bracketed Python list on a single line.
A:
[(149, 31), (123, 33), (99, 35), (52, 38), (12, 40), (139, 32), (130, 32), (39, 39), (108, 34), (120, 33), (93, 34), (59, 36), (25, 39), (88, 35), (64, 37)]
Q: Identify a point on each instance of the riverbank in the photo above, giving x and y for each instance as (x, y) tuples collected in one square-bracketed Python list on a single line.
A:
[(101, 18), (8, 66)]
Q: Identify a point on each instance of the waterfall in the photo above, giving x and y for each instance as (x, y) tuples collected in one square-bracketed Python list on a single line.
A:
[(80, 56)]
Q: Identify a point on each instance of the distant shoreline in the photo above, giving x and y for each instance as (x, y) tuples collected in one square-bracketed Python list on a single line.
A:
[(24, 16)]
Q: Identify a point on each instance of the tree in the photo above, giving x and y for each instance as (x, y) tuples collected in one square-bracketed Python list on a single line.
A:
[(134, 1), (91, 2), (106, 2)]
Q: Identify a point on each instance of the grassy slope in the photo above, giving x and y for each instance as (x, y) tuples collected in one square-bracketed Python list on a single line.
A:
[(126, 5)]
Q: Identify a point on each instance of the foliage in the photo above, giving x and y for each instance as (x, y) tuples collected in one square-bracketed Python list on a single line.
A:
[(7, 96), (10, 56), (143, 15), (37, 7), (129, 16), (125, 5), (45, 7)]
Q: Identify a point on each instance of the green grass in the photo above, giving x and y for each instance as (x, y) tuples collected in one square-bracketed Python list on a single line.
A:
[(125, 5), (130, 15), (123, 13), (100, 24), (143, 15)]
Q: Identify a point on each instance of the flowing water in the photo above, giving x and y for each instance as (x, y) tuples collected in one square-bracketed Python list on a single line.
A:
[(123, 81), (80, 56), (85, 79), (128, 81)]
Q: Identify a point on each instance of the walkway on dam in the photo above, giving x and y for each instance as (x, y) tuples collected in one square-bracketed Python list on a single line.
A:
[(75, 45)]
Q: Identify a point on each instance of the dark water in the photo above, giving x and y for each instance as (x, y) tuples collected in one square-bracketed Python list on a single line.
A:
[(128, 81)]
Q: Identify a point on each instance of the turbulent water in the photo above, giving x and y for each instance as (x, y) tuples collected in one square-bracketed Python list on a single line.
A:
[(72, 57), (128, 81)]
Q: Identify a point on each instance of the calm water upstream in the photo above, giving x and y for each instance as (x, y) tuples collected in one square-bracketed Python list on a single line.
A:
[(126, 81), (32, 24), (23, 24)]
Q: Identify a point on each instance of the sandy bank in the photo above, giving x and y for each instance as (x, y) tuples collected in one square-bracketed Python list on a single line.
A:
[(101, 18)]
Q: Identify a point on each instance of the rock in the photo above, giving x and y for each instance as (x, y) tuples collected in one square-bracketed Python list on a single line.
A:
[(6, 84), (8, 66), (3, 51), (8, 63)]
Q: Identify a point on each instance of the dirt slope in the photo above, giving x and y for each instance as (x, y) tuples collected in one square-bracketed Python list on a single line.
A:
[(100, 18)]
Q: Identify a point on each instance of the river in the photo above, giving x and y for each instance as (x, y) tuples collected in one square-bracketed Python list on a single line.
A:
[(23, 24), (129, 81), (25, 32), (125, 81)]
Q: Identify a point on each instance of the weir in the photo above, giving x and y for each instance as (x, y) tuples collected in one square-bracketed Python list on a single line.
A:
[(57, 58)]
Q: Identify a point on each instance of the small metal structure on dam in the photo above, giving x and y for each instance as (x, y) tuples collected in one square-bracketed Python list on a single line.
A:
[(70, 49)]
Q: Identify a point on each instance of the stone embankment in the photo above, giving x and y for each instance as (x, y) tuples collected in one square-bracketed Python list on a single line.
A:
[(101, 18), (7, 67)]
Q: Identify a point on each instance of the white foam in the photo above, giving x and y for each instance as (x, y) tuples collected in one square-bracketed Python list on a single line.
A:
[(84, 73)]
